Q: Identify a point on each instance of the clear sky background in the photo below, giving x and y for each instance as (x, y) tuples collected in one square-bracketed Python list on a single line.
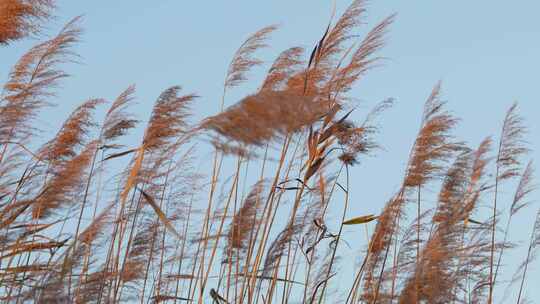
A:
[(485, 52)]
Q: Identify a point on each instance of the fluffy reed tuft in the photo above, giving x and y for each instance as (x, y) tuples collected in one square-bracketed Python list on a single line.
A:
[(168, 120), (432, 146), (32, 79), (117, 120), (64, 185), (263, 117), (244, 221), (21, 18), (243, 59)]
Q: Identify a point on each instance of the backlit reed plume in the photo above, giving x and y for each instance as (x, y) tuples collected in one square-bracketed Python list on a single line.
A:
[(117, 120), (433, 278), (73, 133), (30, 86), (168, 119), (31, 82), (520, 201), (167, 129), (66, 165), (164, 129), (512, 147), (261, 118), (356, 140), (244, 221), (524, 188), (361, 60), (379, 247), (431, 150), (288, 63), (243, 60), (20, 18), (278, 247), (333, 43), (432, 147), (133, 269), (64, 184)]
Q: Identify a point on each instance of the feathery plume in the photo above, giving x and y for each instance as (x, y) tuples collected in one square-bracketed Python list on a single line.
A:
[(433, 278), (478, 172), (431, 149), (21, 18), (72, 134), (168, 120), (511, 145), (260, 118), (359, 140), (31, 80), (287, 64), (243, 59), (524, 188), (432, 146), (134, 266), (511, 149), (361, 60), (64, 185), (379, 246), (332, 43), (117, 120), (244, 221)]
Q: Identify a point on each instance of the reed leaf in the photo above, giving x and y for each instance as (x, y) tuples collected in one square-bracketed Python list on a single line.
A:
[(360, 220)]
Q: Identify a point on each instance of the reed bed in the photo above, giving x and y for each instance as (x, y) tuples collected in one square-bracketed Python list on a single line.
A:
[(89, 218)]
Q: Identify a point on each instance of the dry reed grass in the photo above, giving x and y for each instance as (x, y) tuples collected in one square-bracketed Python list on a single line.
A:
[(76, 229)]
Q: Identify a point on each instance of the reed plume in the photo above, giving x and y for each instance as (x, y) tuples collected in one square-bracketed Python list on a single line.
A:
[(434, 276), (66, 166), (333, 43), (263, 117), (65, 183), (511, 148), (519, 201), (72, 135), (32, 80), (21, 18), (30, 86), (243, 60), (433, 146), (361, 60), (287, 64), (168, 120), (431, 150), (512, 145), (524, 188), (244, 221), (117, 120), (358, 140)]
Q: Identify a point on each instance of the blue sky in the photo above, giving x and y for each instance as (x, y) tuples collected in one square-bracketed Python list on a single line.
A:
[(485, 53)]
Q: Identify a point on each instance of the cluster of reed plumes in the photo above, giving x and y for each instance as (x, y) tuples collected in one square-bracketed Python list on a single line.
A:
[(76, 228)]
